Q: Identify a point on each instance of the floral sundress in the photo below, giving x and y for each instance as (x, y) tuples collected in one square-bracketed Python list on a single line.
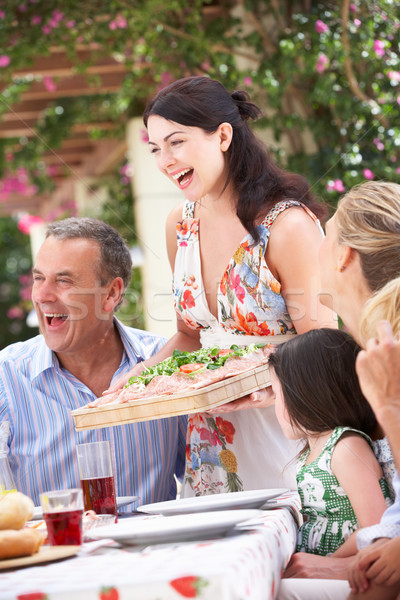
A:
[(329, 515), (246, 449)]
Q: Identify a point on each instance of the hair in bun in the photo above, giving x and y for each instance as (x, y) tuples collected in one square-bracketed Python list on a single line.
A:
[(246, 108)]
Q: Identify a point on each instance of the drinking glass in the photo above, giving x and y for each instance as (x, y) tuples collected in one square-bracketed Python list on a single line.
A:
[(97, 478), (6, 479), (62, 512)]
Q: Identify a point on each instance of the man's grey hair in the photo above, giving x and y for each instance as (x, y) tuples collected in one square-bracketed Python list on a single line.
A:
[(115, 259)]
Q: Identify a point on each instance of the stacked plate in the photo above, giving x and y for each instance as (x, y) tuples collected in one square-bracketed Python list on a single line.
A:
[(202, 517)]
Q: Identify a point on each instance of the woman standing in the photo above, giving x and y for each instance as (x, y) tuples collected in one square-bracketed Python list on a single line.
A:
[(243, 248)]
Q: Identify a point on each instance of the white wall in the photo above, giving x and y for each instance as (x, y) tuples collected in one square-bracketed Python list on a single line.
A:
[(155, 196)]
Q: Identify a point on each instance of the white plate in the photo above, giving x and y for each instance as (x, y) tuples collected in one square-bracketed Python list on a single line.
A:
[(121, 501), (248, 499), (177, 528)]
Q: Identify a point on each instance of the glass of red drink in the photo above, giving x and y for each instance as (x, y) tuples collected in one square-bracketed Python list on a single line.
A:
[(62, 512), (97, 477)]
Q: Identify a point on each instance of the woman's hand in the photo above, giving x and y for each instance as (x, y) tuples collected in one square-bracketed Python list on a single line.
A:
[(358, 579), (259, 399), (378, 371)]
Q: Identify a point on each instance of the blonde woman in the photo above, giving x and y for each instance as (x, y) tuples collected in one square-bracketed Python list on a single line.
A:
[(358, 257)]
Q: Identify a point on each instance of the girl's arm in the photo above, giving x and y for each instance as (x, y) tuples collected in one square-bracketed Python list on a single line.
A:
[(292, 256), (185, 339), (358, 472)]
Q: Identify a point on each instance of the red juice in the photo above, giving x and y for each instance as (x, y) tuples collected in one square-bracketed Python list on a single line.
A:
[(99, 495), (64, 528)]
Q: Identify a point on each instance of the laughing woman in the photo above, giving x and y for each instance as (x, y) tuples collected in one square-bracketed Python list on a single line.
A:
[(243, 248)]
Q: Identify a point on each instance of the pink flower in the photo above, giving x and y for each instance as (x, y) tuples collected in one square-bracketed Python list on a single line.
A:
[(57, 15), (368, 174), (379, 144), (357, 22), (206, 65), (118, 23), (24, 279), (46, 29), (70, 24), (322, 63), (144, 136), (25, 293), (398, 170), (36, 20), (26, 222), (321, 27), (49, 84), (166, 78), (4, 60), (335, 186), (2, 14), (51, 170), (353, 8), (394, 76), (126, 170), (248, 81), (379, 48), (398, 99), (122, 22), (15, 312)]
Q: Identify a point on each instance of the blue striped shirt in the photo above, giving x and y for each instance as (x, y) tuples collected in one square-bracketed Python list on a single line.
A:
[(37, 396)]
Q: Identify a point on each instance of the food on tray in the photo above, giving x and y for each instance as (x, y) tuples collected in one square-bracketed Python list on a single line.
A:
[(185, 371), (15, 510), (15, 541), (23, 542)]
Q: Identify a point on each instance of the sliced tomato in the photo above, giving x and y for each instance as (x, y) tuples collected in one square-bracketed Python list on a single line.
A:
[(225, 352), (191, 367)]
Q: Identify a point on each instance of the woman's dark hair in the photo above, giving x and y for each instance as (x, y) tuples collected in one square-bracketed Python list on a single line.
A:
[(206, 103), (319, 382)]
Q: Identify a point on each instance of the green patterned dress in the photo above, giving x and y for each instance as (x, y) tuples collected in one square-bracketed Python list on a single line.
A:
[(328, 515)]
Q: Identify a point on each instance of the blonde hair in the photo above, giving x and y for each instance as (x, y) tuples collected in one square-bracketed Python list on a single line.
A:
[(368, 220), (383, 305)]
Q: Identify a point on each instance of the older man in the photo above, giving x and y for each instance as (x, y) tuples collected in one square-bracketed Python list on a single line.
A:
[(79, 278)]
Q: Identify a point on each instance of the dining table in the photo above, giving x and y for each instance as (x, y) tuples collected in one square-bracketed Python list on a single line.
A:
[(246, 562)]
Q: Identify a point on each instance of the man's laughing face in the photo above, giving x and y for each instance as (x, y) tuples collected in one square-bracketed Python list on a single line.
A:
[(67, 294)]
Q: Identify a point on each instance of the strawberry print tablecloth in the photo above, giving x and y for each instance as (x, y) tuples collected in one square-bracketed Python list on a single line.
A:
[(246, 564)]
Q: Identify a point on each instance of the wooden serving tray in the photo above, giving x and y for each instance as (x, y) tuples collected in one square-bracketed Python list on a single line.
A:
[(159, 407)]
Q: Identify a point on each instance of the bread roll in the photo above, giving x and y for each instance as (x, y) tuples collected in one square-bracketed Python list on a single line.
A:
[(19, 543), (15, 510)]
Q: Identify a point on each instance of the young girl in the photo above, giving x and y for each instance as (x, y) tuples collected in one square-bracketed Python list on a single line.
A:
[(318, 399)]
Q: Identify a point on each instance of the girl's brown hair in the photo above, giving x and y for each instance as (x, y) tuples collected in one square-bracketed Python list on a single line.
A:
[(319, 382)]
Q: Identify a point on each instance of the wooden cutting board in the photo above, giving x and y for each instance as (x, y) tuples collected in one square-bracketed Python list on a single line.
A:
[(158, 407)]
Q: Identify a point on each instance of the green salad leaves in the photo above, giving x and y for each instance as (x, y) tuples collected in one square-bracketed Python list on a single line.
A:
[(211, 358)]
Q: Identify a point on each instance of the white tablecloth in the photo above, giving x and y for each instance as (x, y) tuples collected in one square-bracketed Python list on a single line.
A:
[(243, 565)]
